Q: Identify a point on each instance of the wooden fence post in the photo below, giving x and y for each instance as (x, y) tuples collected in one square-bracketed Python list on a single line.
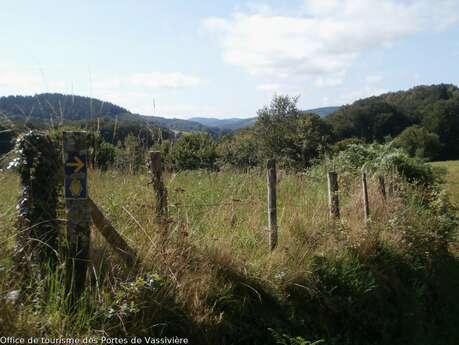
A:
[(382, 186), (39, 171), (333, 199), (156, 171), (77, 211), (272, 203), (111, 235), (366, 206)]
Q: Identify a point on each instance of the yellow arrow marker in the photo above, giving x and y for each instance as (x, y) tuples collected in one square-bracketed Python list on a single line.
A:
[(76, 188), (78, 165)]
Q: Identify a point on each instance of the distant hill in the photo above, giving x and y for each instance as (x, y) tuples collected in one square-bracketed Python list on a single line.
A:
[(237, 123), (181, 125), (226, 124), (324, 111), (54, 108)]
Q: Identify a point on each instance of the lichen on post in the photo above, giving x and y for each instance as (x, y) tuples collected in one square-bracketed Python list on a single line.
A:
[(38, 167)]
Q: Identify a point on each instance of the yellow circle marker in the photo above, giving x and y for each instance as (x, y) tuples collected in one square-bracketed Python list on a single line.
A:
[(75, 188)]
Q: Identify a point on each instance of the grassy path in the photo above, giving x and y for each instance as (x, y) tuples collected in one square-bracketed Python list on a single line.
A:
[(452, 185), (452, 178)]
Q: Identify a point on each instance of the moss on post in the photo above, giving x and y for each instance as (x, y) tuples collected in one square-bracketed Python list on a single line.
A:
[(38, 167)]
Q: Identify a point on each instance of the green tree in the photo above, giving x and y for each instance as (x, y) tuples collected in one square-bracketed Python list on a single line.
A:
[(130, 156), (442, 118), (239, 150), (371, 119), (105, 155), (293, 137), (419, 142), (194, 151)]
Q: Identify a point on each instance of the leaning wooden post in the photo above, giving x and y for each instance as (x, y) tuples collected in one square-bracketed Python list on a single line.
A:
[(382, 186), (156, 171), (117, 242), (77, 211), (366, 206), (333, 199), (272, 200)]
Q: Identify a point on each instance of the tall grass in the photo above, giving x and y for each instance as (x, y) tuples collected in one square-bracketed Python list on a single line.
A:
[(212, 278)]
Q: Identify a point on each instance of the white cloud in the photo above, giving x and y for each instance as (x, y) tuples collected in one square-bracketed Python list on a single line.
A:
[(147, 81), (172, 80), (139, 92), (374, 78), (133, 91), (326, 37), (330, 80), (269, 87), (14, 80), (146, 103), (107, 84)]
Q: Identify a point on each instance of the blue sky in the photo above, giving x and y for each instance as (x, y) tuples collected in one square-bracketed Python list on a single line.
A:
[(226, 58)]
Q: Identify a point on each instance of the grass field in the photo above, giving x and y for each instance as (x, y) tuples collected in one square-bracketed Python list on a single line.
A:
[(452, 178), (214, 277)]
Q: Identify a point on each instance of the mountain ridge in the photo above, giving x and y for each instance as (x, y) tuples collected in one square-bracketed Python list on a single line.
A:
[(235, 123), (52, 108)]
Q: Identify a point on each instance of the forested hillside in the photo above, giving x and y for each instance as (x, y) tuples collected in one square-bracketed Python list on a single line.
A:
[(52, 109), (57, 107), (226, 124), (423, 121), (425, 118), (113, 123)]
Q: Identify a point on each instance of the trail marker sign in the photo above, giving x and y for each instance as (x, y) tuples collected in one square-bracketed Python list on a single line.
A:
[(76, 186), (77, 211)]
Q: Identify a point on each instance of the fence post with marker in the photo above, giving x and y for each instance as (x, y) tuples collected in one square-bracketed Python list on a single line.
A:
[(333, 199), (77, 211), (272, 201)]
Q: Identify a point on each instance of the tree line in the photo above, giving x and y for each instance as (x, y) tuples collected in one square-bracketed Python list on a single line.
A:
[(423, 121)]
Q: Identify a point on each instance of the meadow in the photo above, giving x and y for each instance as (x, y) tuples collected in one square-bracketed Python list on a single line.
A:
[(209, 275), (451, 178)]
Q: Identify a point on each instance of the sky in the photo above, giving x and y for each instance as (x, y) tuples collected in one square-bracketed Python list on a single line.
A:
[(224, 58)]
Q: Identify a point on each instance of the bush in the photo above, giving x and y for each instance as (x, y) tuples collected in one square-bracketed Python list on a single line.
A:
[(239, 151), (419, 142), (105, 155), (194, 151), (386, 159)]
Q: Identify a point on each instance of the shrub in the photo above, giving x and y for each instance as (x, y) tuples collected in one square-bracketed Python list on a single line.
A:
[(239, 151), (105, 155), (387, 159), (419, 142), (194, 151)]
